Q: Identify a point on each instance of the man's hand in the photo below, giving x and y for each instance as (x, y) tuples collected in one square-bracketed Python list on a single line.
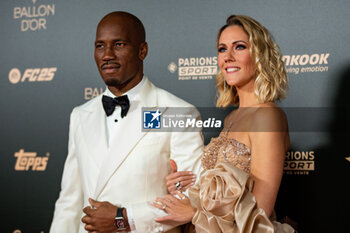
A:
[(99, 217)]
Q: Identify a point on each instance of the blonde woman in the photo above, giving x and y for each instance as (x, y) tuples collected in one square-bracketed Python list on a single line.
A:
[(243, 167)]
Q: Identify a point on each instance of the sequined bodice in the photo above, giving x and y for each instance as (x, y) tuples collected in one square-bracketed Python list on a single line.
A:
[(224, 149)]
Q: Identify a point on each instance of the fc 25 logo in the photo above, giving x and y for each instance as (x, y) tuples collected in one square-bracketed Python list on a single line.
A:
[(32, 75)]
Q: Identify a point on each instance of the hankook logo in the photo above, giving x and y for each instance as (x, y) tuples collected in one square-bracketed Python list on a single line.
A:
[(32, 75), (306, 63)]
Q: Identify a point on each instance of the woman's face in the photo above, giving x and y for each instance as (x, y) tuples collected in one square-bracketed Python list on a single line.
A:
[(235, 61)]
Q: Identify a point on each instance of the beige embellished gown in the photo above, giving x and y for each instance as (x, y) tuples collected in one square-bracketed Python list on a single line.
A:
[(223, 195)]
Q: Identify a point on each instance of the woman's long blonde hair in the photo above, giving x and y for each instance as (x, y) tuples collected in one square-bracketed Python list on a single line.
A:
[(271, 82)]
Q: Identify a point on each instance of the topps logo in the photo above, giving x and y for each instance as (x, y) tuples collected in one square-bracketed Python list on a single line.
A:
[(32, 75), (29, 161), (19, 231)]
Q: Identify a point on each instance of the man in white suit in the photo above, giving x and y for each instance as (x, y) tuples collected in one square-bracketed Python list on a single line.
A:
[(114, 169)]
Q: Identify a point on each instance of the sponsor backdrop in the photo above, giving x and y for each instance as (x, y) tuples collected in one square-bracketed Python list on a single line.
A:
[(47, 68)]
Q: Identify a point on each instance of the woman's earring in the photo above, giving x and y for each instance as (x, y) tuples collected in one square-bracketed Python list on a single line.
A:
[(224, 85)]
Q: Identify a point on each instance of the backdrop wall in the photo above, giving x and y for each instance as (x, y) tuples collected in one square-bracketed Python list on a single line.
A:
[(47, 68)]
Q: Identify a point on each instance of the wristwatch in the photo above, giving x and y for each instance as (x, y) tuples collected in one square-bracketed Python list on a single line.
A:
[(119, 220)]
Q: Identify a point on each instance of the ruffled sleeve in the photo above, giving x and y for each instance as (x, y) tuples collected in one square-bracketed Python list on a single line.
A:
[(225, 203)]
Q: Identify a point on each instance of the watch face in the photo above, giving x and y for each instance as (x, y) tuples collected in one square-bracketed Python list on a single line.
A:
[(120, 224)]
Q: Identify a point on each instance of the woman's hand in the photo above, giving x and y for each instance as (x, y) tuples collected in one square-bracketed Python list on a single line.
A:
[(180, 211), (178, 182)]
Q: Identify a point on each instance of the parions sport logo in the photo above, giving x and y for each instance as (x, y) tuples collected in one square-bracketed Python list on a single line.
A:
[(33, 17), (306, 63), (32, 75), (299, 162), (30, 161), (194, 68)]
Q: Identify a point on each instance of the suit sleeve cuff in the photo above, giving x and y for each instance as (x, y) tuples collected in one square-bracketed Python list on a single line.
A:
[(131, 220), (144, 214)]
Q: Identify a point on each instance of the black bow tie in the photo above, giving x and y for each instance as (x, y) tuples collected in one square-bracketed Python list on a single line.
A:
[(110, 103)]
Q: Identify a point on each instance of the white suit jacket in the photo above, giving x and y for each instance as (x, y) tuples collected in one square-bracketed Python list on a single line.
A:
[(131, 171)]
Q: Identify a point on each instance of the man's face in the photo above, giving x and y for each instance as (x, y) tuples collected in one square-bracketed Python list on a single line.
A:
[(118, 52)]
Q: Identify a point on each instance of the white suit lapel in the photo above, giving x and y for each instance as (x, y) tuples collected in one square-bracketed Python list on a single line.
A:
[(124, 143), (93, 122)]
